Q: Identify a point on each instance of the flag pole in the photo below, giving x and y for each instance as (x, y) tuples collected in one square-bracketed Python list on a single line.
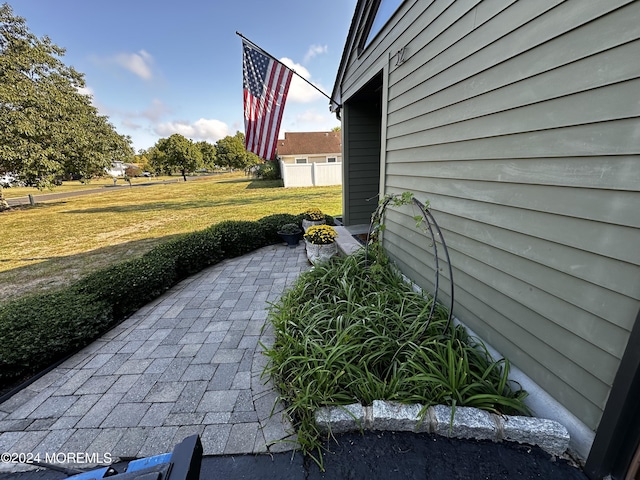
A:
[(276, 60)]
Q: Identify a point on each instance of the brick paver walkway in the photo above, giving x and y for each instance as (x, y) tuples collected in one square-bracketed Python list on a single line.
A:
[(187, 363)]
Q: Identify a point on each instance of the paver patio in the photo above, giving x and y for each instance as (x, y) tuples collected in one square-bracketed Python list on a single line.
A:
[(189, 362)]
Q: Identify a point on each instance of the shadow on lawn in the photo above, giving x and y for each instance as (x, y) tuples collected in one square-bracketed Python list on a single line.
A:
[(196, 204), (52, 273)]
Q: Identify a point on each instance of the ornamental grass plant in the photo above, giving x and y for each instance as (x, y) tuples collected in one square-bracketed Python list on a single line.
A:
[(352, 330)]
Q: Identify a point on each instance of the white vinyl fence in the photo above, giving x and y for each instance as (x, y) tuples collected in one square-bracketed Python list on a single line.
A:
[(311, 174)]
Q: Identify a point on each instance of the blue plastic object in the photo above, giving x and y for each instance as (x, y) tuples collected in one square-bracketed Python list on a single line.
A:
[(182, 464)]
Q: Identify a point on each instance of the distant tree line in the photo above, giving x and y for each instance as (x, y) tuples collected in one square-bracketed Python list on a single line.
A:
[(178, 154), (50, 131)]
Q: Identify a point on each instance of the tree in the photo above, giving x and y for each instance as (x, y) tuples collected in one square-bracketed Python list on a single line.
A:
[(47, 127), (143, 160), (3, 203), (231, 153), (208, 152), (178, 152), (156, 160), (132, 171)]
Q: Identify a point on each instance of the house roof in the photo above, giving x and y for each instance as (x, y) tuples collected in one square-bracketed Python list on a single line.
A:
[(310, 143)]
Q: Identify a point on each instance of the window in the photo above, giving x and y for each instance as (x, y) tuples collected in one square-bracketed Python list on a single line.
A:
[(385, 11), (332, 159), (301, 160)]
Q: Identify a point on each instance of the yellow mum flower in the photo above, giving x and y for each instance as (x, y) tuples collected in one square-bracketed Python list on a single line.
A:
[(321, 234), (314, 214)]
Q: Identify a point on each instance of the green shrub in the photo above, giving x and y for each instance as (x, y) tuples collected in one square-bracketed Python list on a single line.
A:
[(238, 237), (191, 252), (38, 330), (269, 170), (272, 223), (129, 285)]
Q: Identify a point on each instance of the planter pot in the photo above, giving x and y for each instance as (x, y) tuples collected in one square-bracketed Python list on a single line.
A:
[(310, 223), (292, 239), (320, 253)]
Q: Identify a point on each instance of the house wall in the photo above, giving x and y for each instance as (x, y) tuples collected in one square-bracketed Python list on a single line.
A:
[(518, 121), (288, 159), (117, 169)]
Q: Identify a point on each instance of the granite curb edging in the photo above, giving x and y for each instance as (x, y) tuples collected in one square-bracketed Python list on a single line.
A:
[(467, 422)]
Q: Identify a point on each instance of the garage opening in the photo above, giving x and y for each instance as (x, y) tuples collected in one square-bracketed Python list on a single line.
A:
[(362, 134)]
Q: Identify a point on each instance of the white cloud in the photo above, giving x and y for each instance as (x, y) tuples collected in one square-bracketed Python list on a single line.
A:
[(137, 63), (310, 120), (313, 51), (210, 130), (156, 110), (299, 90), (312, 117), (131, 125)]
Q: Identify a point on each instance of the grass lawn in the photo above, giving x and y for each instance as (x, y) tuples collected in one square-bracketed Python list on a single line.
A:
[(52, 244)]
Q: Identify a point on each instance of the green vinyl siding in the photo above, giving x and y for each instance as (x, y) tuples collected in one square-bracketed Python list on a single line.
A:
[(519, 122)]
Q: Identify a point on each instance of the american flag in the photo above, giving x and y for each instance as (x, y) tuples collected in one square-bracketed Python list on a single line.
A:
[(265, 84)]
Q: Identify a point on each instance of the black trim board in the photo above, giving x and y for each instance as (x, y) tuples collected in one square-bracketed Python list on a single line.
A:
[(619, 431)]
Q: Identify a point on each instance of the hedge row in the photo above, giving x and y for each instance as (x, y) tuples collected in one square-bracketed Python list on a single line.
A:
[(37, 330)]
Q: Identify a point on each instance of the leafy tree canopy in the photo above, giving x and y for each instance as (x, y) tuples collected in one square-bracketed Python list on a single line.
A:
[(47, 127), (208, 154), (231, 153), (177, 153), (143, 160)]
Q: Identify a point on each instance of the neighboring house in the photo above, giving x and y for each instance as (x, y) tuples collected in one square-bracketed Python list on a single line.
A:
[(310, 158), (519, 122), (117, 169)]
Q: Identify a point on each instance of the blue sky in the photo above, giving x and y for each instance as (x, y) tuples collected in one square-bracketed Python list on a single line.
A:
[(156, 67)]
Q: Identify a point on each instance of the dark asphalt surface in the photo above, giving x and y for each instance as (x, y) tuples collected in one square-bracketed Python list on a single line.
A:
[(384, 455), (47, 197)]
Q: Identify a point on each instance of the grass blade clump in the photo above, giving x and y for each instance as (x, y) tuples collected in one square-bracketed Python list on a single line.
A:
[(351, 330)]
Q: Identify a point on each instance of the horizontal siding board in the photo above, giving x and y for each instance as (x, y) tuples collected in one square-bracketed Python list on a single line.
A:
[(603, 172), (599, 105), (604, 68), (364, 170), (598, 307), (515, 322), (441, 48), (621, 279), (545, 373), (366, 150), (612, 241), (540, 289), (361, 210), (618, 137), (607, 206), (363, 187), (445, 29), (592, 37), (608, 273)]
